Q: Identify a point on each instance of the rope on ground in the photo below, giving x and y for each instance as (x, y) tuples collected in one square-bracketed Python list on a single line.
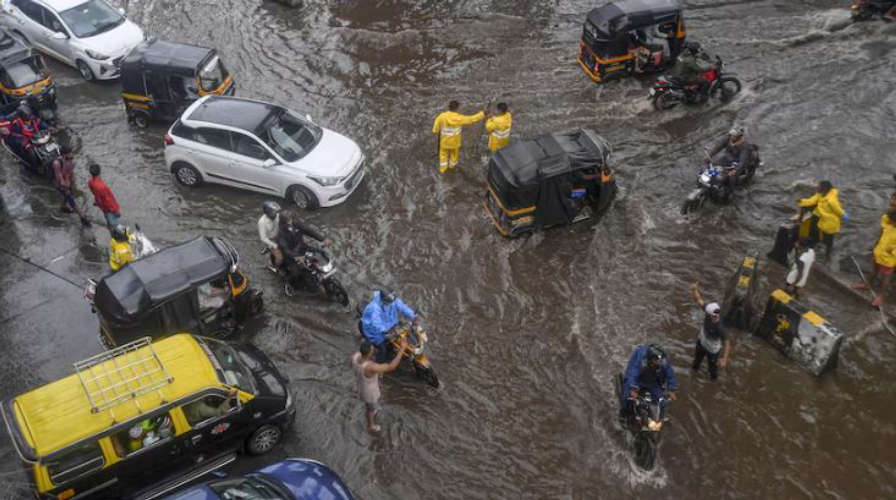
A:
[(42, 268), (883, 316)]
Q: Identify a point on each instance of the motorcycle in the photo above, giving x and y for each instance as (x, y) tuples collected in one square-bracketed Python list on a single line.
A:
[(42, 148), (321, 275), (645, 422), (669, 92), (711, 183), (415, 351), (862, 10)]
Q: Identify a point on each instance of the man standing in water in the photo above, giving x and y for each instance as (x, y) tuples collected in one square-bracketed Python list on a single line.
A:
[(498, 128), (712, 339), (826, 215), (448, 125), (368, 373)]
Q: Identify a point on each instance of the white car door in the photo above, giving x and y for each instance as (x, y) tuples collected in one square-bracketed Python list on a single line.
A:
[(248, 166), (59, 39), (27, 18), (209, 151)]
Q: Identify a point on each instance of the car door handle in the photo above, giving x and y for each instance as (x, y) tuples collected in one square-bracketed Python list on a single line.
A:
[(195, 439)]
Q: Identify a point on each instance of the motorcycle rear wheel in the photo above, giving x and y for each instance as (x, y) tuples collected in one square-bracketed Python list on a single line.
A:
[(664, 101), (335, 291), (645, 450), (728, 88), (427, 374), (690, 206)]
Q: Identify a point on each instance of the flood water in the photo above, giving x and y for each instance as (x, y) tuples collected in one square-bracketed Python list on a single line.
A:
[(528, 333)]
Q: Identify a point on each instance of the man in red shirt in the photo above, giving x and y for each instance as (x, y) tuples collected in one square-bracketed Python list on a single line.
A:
[(103, 197)]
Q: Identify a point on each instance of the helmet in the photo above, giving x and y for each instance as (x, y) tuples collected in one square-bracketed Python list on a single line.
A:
[(387, 297), (654, 352), (692, 46), (119, 233), (271, 209), (736, 131)]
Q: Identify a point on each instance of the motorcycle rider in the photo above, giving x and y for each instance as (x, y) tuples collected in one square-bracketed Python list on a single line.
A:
[(269, 231), (379, 319), (738, 153), (291, 242), (692, 62), (120, 250), (24, 125), (648, 369)]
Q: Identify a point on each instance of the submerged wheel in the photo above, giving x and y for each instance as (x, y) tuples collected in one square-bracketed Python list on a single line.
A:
[(728, 88), (427, 374), (263, 439), (335, 292), (141, 120), (645, 450), (187, 175), (302, 197), (664, 101), (85, 71)]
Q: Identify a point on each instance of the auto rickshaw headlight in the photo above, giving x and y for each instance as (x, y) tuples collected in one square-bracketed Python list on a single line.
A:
[(96, 55), (325, 181)]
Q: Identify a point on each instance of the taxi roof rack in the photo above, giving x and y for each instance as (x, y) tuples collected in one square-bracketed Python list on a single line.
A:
[(122, 374)]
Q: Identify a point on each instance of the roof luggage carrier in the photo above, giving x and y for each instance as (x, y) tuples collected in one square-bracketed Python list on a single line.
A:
[(122, 374)]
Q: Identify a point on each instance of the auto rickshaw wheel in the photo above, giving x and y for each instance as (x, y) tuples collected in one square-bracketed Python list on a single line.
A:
[(302, 197), (187, 175), (141, 119), (85, 71)]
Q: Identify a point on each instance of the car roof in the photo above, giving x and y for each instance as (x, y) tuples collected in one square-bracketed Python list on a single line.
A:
[(243, 114), (60, 5), (167, 56), (60, 413)]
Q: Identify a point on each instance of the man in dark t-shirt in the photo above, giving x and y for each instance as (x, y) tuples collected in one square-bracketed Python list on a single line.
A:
[(712, 339)]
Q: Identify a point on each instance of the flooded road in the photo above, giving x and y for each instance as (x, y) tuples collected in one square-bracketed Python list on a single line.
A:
[(526, 334)]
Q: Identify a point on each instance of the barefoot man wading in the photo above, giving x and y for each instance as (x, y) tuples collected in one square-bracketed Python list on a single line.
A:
[(368, 374)]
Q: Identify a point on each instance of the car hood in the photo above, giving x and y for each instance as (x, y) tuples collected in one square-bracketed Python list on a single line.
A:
[(307, 479), (334, 156), (116, 42), (268, 379)]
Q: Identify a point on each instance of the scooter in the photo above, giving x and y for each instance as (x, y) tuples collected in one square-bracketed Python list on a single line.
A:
[(645, 422), (415, 352), (711, 183), (862, 10), (43, 148), (321, 275), (669, 92)]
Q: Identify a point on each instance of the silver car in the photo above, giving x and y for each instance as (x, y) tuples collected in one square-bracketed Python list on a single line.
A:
[(89, 35), (262, 147)]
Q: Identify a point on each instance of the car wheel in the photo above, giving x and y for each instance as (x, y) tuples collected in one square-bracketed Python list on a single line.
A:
[(302, 197), (85, 70), (263, 439), (187, 175)]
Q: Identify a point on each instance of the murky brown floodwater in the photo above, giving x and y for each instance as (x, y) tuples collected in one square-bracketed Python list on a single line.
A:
[(528, 333)]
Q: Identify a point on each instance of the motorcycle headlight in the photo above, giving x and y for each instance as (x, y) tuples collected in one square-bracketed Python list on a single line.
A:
[(654, 425), (99, 56), (327, 267), (325, 181), (418, 350), (704, 178)]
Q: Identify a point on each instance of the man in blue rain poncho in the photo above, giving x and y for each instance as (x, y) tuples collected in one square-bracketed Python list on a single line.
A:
[(648, 369), (380, 317)]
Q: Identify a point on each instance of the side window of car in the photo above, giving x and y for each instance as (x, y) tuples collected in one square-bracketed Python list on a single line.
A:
[(143, 435), (44, 17), (75, 463), (30, 9), (247, 146), (53, 22), (212, 137), (208, 409)]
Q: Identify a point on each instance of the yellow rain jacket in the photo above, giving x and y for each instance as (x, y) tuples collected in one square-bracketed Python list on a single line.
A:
[(120, 253), (448, 126), (885, 250), (828, 210), (498, 128)]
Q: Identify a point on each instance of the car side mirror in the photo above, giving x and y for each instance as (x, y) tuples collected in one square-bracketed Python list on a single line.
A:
[(269, 163), (308, 117), (60, 36), (122, 11)]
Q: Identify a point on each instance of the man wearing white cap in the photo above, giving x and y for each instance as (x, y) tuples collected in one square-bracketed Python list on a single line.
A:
[(712, 338)]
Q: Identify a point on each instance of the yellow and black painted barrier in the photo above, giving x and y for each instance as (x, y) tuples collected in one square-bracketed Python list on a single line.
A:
[(738, 309), (800, 333)]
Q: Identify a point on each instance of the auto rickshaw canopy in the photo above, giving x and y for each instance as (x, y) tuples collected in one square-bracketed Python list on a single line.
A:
[(161, 58), (157, 295), (628, 15)]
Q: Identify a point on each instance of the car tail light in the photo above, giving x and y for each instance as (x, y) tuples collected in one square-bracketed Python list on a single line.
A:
[(169, 140)]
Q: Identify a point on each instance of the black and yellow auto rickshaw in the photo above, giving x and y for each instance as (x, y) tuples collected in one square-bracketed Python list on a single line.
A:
[(23, 77), (555, 179), (159, 80), (630, 36), (195, 287)]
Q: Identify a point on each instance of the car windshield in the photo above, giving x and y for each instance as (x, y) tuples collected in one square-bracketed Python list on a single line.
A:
[(212, 75), (91, 18), (288, 135), (230, 369), (23, 73), (246, 488)]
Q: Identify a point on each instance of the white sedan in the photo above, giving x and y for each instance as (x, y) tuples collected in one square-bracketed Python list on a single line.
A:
[(262, 147)]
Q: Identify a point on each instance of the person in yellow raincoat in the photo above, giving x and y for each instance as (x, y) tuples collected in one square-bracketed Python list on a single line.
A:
[(498, 128), (826, 215), (884, 257), (448, 125), (120, 251)]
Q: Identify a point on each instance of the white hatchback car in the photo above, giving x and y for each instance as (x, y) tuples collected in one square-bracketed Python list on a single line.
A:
[(262, 147), (87, 34)]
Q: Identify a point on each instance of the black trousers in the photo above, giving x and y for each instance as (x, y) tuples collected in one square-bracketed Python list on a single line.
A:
[(820, 236), (712, 360)]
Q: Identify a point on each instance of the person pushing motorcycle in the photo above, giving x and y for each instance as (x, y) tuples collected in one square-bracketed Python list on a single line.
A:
[(291, 243), (379, 319), (648, 370)]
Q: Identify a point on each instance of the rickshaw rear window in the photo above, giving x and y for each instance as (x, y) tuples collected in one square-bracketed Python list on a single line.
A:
[(82, 460), (22, 74), (212, 75), (230, 369)]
